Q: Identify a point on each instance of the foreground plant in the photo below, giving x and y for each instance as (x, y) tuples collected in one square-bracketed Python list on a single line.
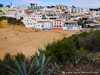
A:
[(38, 64), (84, 59)]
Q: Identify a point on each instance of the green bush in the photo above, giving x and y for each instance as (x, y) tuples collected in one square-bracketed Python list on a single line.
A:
[(60, 50), (89, 41), (3, 18), (73, 47)]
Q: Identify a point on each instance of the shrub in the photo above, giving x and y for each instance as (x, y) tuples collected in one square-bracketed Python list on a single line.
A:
[(69, 49), (14, 21), (3, 18), (89, 41), (60, 50)]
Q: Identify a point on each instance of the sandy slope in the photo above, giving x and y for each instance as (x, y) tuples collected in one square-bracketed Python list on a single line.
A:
[(19, 39)]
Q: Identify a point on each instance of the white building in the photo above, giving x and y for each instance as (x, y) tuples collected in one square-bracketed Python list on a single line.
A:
[(11, 13), (30, 22), (30, 14), (44, 24), (96, 14)]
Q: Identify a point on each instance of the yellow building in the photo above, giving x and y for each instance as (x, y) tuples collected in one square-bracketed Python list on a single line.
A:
[(62, 7)]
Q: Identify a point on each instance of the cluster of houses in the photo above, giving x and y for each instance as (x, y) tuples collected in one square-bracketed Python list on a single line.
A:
[(59, 17), (56, 24)]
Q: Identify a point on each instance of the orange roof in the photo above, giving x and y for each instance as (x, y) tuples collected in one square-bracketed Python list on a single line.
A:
[(88, 14), (64, 14), (44, 21), (73, 12), (28, 11), (58, 20), (33, 18), (82, 16)]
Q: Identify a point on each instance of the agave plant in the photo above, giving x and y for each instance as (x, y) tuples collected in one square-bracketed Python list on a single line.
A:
[(84, 59), (18, 68), (41, 63), (37, 65)]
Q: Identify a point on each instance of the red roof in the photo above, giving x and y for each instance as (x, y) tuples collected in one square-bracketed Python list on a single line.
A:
[(73, 13), (33, 18), (64, 14), (88, 14), (82, 16), (28, 11), (58, 20), (44, 21)]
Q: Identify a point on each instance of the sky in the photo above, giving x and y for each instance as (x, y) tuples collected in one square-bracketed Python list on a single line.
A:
[(77, 3)]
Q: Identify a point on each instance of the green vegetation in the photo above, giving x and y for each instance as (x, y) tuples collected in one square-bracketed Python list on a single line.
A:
[(73, 51), (12, 21), (20, 65), (2, 18), (74, 48)]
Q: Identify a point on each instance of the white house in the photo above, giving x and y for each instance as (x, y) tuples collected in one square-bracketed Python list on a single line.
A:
[(71, 26), (44, 24), (11, 13), (30, 14), (38, 16), (57, 24), (39, 25), (30, 22)]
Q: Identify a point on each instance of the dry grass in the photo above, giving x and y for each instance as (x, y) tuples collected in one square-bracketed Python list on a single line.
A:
[(4, 24)]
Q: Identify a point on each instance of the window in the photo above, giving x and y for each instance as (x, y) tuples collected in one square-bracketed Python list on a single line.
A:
[(54, 25)]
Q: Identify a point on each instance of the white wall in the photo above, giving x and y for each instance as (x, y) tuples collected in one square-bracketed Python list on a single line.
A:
[(29, 22)]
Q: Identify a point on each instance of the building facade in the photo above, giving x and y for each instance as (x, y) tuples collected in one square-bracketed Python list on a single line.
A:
[(57, 24)]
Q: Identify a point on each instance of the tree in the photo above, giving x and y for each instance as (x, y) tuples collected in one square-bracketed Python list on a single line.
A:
[(1, 5), (73, 6), (8, 6), (80, 22)]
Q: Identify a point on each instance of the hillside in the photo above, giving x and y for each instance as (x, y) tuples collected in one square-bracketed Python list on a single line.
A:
[(15, 39)]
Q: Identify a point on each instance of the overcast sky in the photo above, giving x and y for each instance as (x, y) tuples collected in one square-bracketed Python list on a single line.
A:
[(78, 3)]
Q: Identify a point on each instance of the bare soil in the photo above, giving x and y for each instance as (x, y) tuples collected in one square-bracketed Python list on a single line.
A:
[(16, 39)]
